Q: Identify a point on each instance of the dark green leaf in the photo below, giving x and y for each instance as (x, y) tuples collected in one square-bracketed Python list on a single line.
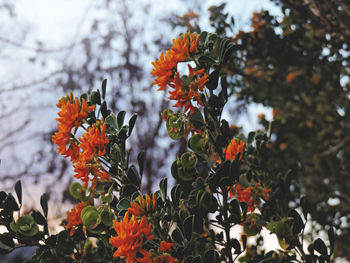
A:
[(104, 110), (175, 195), (43, 203), (331, 239), (7, 240), (103, 88), (205, 60), (140, 160), (39, 218), (211, 256), (244, 241), (177, 236), (120, 118), (213, 81), (132, 122), (188, 227), (163, 187), (133, 176), (202, 38), (123, 204), (320, 247), (18, 189), (128, 190), (236, 246)]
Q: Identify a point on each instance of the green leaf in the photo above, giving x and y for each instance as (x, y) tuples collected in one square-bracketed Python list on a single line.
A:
[(175, 195), (206, 61), (128, 190), (123, 204), (39, 218), (120, 118), (18, 189), (236, 245), (320, 247), (103, 88), (10, 203), (331, 239), (213, 81), (244, 241), (251, 137), (132, 122), (133, 176), (95, 97), (211, 256), (7, 240), (140, 160), (111, 121), (188, 227), (203, 38), (163, 187), (43, 203), (104, 110), (177, 236)]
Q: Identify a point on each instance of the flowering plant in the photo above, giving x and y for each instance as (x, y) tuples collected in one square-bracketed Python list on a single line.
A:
[(223, 180)]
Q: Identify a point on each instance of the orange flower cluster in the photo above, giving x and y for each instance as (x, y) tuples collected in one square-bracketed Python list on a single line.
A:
[(165, 72), (93, 144), (73, 217), (180, 51), (144, 206), (250, 195), (236, 146), (164, 246), (130, 236), (84, 151), (71, 116), (184, 93)]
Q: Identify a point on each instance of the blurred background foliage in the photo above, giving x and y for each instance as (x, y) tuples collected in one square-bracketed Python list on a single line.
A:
[(295, 64)]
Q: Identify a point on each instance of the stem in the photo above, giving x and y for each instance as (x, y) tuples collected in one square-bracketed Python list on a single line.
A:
[(227, 224)]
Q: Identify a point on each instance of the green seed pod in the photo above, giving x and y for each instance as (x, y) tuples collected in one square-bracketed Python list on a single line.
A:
[(90, 217), (199, 144), (108, 198), (77, 191), (189, 160), (25, 226), (106, 215)]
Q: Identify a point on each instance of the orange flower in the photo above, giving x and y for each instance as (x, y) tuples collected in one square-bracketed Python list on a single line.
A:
[(250, 195), (166, 64), (275, 113), (73, 217), (144, 205), (185, 93), (93, 142), (291, 76), (71, 116), (236, 146), (130, 236), (165, 258), (164, 246), (83, 169)]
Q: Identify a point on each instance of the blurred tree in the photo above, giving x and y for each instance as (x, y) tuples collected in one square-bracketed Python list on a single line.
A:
[(119, 45), (298, 65)]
